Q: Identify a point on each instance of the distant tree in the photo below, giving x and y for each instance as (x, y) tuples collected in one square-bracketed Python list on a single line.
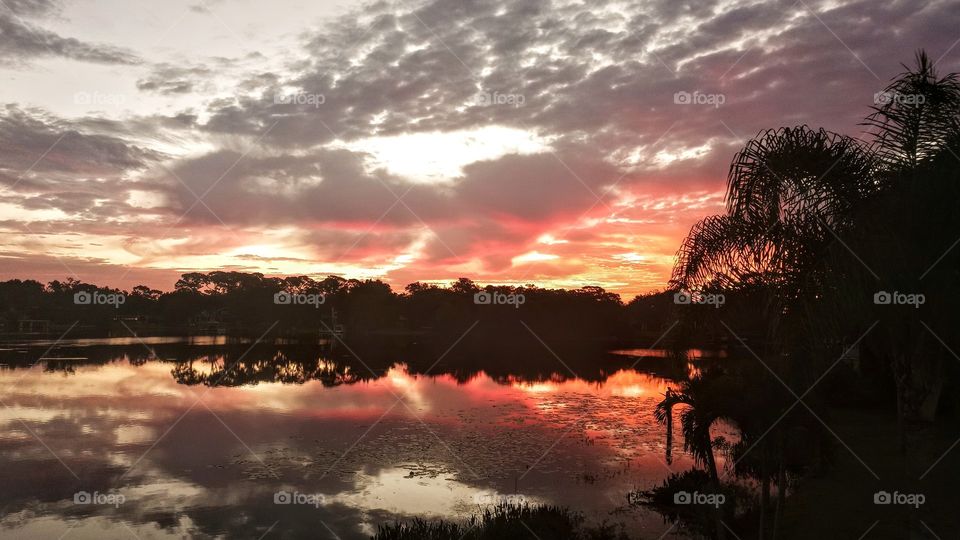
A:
[(464, 286), (146, 292)]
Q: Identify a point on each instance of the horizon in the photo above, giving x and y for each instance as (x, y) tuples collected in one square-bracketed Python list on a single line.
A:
[(409, 141), (400, 290)]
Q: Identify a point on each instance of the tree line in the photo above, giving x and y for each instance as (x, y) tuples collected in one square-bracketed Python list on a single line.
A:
[(251, 303)]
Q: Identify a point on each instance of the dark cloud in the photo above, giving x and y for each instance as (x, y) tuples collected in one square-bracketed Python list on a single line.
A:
[(326, 186), (22, 40), (204, 6), (66, 147), (33, 8), (334, 188), (535, 187), (55, 164), (171, 79)]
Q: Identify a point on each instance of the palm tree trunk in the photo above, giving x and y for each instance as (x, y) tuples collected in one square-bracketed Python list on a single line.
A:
[(670, 435), (781, 487), (715, 478), (711, 460), (765, 487)]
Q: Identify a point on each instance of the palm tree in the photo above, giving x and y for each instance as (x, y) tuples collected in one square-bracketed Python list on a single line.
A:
[(695, 426), (904, 234), (916, 115), (784, 190), (705, 398), (798, 199), (794, 193)]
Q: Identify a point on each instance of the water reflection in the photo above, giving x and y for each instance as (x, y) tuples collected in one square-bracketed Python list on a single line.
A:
[(198, 436)]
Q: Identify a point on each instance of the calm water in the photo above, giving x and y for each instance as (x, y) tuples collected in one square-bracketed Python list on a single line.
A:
[(202, 439)]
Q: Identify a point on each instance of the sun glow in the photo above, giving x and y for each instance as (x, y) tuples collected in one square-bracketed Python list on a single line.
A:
[(440, 156), (533, 256)]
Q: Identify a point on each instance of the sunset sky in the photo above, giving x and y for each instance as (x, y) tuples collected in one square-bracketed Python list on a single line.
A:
[(522, 141)]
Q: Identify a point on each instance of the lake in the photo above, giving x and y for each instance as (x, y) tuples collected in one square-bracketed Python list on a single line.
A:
[(208, 437)]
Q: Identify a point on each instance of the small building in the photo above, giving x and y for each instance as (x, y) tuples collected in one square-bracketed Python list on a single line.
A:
[(215, 322)]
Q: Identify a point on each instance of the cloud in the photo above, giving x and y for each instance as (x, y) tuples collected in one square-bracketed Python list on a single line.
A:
[(22, 40), (170, 79), (33, 8), (66, 148), (325, 186)]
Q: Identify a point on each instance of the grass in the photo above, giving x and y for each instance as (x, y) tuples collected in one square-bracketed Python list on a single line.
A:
[(699, 520), (504, 521)]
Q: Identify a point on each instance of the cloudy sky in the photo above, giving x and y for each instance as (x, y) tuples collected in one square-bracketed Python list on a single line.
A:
[(562, 143)]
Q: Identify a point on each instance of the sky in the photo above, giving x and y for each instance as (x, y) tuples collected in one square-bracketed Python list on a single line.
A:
[(559, 143)]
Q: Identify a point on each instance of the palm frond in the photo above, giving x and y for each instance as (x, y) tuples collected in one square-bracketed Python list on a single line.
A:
[(916, 115)]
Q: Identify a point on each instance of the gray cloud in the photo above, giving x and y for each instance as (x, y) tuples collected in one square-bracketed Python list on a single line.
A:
[(421, 67), (172, 79), (22, 40), (67, 147), (55, 164)]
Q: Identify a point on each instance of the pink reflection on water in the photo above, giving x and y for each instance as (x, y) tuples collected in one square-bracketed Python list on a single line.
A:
[(554, 437)]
